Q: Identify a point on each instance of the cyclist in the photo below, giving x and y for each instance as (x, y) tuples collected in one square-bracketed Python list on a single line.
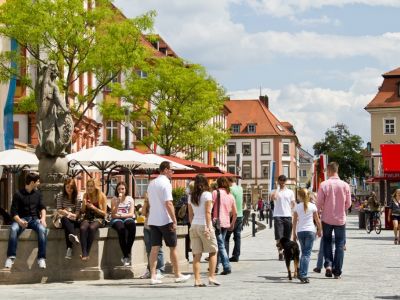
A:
[(374, 208)]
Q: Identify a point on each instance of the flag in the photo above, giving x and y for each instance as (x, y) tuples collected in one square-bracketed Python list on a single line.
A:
[(271, 185), (8, 122)]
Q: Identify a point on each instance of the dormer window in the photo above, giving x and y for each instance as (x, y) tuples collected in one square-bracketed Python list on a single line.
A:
[(280, 127), (235, 128), (398, 89), (251, 128)]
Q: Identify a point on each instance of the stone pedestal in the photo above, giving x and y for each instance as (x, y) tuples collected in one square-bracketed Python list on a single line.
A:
[(104, 262), (52, 172)]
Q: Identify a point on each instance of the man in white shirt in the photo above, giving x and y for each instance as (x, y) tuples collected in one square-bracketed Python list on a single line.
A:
[(162, 221), (284, 201)]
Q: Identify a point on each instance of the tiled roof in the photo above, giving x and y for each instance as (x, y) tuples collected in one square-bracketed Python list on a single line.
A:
[(387, 96), (246, 112)]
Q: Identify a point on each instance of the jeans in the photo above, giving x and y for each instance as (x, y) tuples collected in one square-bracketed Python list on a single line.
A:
[(160, 258), (335, 262), (16, 230), (237, 232), (222, 255), (320, 260), (306, 239)]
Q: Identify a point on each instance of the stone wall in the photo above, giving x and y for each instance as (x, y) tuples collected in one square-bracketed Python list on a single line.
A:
[(104, 263)]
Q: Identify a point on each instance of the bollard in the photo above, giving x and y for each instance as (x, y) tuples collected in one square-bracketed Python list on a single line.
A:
[(253, 218)]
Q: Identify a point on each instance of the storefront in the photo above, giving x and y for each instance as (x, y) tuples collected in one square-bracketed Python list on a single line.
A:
[(389, 180)]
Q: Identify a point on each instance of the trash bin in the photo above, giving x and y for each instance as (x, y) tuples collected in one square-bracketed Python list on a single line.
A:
[(361, 219), (388, 225)]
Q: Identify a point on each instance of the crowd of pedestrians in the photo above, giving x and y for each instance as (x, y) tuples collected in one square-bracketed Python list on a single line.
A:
[(215, 214)]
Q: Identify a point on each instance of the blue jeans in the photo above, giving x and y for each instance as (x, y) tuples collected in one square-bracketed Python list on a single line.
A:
[(16, 230), (320, 260), (237, 232), (222, 255), (160, 258), (306, 239), (335, 262)]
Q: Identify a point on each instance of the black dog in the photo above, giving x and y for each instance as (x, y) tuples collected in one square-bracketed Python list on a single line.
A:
[(291, 251)]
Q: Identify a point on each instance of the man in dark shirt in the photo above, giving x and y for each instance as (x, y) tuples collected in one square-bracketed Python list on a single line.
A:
[(28, 211)]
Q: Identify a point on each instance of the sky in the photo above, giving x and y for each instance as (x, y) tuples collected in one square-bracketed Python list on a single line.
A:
[(319, 61)]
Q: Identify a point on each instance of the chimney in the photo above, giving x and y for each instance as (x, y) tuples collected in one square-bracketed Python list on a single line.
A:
[(264, 99)]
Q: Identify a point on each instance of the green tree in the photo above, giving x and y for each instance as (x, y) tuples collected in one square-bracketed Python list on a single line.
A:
[(178, 100), (344, 148), (98, 40)]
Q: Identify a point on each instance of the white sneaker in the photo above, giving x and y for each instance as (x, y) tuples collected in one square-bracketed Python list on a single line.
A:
[(68, 255), (155, 281), (42, 263), (73, 238), (159, 275), (182, 278), (9, 262), (126, 261), (146, 275)]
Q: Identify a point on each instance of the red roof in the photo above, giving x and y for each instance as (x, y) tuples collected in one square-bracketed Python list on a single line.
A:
[(387, 95), (245, 112)]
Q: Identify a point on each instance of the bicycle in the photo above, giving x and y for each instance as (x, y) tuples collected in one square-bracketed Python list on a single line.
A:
[(376, 222)]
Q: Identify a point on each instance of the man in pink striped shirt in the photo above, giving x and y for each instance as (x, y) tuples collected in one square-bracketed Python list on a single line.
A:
[(334, 198)]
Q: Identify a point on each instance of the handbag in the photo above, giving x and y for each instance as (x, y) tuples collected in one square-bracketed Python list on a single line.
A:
[(217, 221), (56, 219)]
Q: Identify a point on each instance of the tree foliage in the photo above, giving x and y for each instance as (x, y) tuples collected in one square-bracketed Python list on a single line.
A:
[(178, 100), (96, 40), (344, 148)]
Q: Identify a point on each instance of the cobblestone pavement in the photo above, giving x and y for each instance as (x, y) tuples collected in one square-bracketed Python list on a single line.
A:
[(371, 269)]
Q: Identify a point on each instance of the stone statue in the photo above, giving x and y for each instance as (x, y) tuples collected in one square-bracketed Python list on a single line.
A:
[(54, 122)]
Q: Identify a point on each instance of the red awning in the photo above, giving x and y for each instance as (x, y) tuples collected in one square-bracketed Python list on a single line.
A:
[(391, 160), (208, 175)]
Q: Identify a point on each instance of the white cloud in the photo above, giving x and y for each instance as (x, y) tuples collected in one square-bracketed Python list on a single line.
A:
[(285, 8), (313, 110), (203, 32), (315, 21)]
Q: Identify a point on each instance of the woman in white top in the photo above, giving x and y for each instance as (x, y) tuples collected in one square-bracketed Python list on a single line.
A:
[(304, 230), (123, 221), (202, 235)]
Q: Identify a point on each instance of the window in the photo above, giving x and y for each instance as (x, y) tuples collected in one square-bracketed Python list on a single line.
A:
[(111, 130), (398, 89), (112, 187), (304, 173), (285, 150), (286, 171), (246, 149), (141, 187), (140, 130), (251, 128), (389, 126), (265, 148), (232, 167), (246, 170), (107, 88), (235, 128), (231, 149), (141, 74), (264, 169)]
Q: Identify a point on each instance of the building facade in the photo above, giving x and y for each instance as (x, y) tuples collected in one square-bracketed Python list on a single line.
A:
[(384, 110), (305, 168), (259, 139)]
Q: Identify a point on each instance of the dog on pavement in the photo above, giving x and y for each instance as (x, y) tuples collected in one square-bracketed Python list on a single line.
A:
[(291, 251)]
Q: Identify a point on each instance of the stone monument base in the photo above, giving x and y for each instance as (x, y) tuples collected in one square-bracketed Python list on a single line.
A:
[(104, 262)]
